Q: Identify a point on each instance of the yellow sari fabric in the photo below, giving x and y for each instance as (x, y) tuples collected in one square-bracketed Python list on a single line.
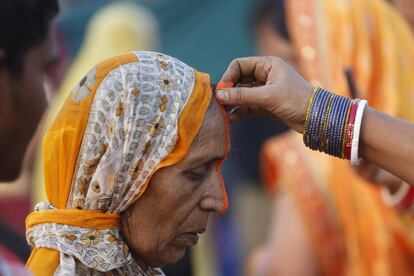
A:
[(352, 230), (187, 94)]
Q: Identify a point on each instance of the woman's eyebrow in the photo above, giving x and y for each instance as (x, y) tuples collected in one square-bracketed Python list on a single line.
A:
[(199, 162)]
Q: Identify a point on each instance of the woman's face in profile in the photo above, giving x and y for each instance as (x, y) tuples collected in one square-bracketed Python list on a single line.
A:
[(175, 208)]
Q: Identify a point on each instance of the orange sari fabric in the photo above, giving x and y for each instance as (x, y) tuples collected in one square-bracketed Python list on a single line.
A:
[(353, 231), (64, 148)]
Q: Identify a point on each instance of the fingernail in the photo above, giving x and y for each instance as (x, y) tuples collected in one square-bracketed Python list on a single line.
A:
[(222, 95)]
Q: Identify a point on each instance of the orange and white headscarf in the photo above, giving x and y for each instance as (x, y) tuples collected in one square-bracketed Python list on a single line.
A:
[(128, 117)]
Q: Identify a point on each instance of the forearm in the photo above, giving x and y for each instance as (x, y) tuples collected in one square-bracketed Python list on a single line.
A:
[(389, 143)]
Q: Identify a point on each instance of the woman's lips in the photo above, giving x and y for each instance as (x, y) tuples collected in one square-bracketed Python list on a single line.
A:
[(186, 239)]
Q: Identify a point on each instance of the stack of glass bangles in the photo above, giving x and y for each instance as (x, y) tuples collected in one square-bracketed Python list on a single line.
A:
[(333, 124)]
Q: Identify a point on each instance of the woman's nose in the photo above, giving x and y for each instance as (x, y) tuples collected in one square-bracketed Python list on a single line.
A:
[(215, 198)]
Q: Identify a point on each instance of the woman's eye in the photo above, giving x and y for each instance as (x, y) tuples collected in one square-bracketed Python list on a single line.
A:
[(196, 175)]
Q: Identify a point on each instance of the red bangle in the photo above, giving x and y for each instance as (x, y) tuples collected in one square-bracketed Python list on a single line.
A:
[(350, 129), (407, 200)]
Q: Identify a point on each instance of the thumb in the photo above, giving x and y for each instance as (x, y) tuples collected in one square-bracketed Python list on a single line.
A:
[(244, 96)]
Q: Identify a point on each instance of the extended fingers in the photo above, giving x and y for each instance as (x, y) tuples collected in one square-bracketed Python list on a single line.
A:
[(245, 95)]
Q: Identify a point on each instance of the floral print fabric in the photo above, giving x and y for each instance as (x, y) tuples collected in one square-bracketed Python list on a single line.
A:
[(132, 126)]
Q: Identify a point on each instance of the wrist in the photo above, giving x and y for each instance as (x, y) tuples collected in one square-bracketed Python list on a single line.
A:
[(333, 123), (306, 109), (363, 146)]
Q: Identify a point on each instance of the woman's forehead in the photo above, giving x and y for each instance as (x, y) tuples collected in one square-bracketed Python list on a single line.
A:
[(210, 141)]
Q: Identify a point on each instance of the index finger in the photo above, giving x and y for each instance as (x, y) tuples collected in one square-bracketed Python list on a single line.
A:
[(247, 69)]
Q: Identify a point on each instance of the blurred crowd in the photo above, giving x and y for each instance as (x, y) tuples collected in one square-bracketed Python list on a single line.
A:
[(291, 212)]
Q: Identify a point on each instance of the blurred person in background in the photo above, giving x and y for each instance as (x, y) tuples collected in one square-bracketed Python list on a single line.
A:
[(271, 31), (27, 52), (327, 218), (16, 195), (242, 170)]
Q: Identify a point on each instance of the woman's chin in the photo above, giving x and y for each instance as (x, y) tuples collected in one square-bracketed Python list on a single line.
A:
[(172, 255), (168, 256)]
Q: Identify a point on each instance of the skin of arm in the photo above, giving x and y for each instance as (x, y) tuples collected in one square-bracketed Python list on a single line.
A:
[(388, 142)]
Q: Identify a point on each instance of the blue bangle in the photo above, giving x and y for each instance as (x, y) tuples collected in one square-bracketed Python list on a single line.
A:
[(312, 116), (334, 124), (306, 139), (333, 113), (322, 144), (340, 126), (318, 118), (326, 122)]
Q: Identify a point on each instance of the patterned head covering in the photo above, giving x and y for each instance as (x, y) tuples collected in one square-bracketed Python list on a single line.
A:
[(127, 118)]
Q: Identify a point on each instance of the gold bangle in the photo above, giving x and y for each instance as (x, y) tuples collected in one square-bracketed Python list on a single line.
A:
[(345, 131), (308, 111)]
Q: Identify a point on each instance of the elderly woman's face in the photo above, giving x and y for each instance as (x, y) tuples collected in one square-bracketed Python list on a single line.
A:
[(176, 205)]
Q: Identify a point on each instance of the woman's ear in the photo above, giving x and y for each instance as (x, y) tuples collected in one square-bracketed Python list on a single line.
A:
[(125, 215)]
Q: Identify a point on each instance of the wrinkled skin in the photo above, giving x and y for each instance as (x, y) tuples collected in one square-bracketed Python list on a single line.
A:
[(179, 199), (22, 104)]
